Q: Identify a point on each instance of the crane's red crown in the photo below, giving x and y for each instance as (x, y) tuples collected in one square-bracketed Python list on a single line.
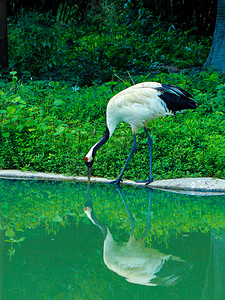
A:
[(86, 159)]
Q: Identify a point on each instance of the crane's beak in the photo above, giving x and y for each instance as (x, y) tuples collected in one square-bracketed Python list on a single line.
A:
[(89, 174)]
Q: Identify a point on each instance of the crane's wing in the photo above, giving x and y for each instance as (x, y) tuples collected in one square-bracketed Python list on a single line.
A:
[(175, 98)]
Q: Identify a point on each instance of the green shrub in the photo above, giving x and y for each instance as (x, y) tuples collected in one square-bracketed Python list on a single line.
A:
[(49, 126), (42, 48), (49, 120)]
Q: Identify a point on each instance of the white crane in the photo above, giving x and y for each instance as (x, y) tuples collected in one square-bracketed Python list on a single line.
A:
[(135, 262), (136, 106)]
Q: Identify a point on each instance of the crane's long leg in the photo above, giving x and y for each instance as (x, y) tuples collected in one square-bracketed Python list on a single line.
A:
[(148, 223), (133, 149), (131, 218), (150, 143)]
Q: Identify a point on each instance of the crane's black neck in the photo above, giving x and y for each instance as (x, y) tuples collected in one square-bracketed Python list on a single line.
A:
[(103, 140)]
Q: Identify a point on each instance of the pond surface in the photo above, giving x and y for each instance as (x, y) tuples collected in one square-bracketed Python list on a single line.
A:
[(60, 241)]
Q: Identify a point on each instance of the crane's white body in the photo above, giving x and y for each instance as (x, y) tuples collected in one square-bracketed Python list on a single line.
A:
[(135, 262), (136, 106)]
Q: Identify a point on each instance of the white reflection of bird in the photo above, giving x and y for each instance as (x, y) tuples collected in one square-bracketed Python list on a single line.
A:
[(136, 106), (135, 262)]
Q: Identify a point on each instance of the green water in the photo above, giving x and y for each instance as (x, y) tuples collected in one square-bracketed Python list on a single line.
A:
[(50, 249)]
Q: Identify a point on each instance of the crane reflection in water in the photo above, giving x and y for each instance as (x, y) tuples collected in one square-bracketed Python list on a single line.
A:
[(133, 260)]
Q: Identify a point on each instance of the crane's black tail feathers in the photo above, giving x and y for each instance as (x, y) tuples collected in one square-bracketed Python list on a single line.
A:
[(176, 98), (172, 272), (178, 90)]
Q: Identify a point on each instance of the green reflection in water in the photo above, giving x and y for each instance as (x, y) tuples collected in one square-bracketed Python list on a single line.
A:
[(58, 252), (133, 260)]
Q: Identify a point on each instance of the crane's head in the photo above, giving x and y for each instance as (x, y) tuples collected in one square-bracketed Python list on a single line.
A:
[(88, 209), (89, 160), (89, 212)]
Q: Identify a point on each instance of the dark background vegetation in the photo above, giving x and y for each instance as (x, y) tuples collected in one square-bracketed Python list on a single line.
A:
[(68, 58), (185, 13), (86, 41)]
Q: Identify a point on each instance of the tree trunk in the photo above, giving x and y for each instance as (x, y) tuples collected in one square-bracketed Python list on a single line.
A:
[(216, 56), (3, 34)]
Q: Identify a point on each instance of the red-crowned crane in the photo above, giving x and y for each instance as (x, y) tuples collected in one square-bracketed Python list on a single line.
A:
[(136, 106)]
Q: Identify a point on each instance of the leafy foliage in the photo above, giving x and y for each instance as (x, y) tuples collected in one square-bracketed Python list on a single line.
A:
[(49, 120), (191, 14), (42, 48), (49, 126)]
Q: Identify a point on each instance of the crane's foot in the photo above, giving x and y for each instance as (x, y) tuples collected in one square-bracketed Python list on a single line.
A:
[(146, 181), (115, 182)]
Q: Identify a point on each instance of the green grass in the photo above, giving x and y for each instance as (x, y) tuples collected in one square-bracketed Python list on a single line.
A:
[(50, 126)]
